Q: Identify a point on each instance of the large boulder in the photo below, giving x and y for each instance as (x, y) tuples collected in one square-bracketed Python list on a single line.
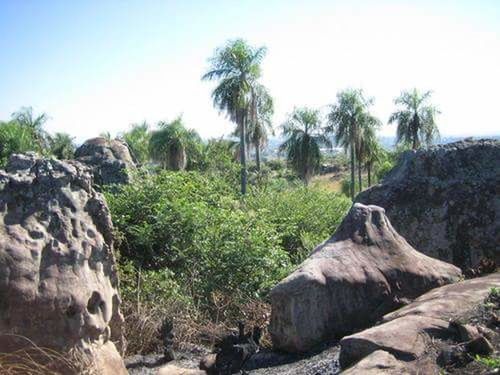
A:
[(445, 200), (364, 271), (110, 160), (58, 277)]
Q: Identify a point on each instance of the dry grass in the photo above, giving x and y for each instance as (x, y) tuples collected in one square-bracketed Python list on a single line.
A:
[(34, 360), (143, 328)]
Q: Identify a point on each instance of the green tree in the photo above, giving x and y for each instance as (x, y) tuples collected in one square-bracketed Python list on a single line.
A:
[(237, 68), (137, 139), (415, 119), (34, 123), (304, 139), (260, 125), (174, 146), (61, 146), (370, 151), (346, 121), (15, 138)]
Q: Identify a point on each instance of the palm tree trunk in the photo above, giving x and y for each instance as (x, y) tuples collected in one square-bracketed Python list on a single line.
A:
[(257, 155), (352, 172), (243, 158), (359, 176), (369, 167)]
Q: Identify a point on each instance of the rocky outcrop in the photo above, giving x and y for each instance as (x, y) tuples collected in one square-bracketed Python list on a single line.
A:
[(377, 363), (411, 334), (110, 160), (406, 338), (363, 272), (58, 278), (451, 300), (445, 200)]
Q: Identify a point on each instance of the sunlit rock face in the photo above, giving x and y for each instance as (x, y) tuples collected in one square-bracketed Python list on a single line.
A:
[(110, 160), (350, 281), (58, 277), (445, 200)]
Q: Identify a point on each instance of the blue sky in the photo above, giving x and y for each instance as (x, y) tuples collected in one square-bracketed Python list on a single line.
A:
[(98, 66)]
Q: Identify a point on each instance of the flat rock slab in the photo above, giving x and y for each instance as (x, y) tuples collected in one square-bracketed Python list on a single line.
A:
[(405, 338), (379, 362), (451, 300), (350, 281)]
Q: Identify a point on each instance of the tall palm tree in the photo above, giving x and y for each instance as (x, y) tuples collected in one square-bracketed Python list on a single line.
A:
[(346, 121), (415, 119), (237, 67), (369, 150), (260, 125), (304, 139), (173, 145)]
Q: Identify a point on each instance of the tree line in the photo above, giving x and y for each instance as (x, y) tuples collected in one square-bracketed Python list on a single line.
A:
[(236, 68)]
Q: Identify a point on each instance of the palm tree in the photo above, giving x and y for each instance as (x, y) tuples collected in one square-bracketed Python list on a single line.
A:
[(346, 121), (415, 119), (369, 151), (25, 117), (61, 146), (261, 111), (137, 139), (173, 145), (304, 139), (237, 67)]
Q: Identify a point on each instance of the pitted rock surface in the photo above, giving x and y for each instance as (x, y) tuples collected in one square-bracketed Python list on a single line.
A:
[(110, 160), (58, 278), (445, 200), (364, 271)]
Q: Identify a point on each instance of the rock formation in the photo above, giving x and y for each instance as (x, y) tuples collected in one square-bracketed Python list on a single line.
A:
[(110, 160), (445, 200), (58, 278), (410, 335), (364, 271)]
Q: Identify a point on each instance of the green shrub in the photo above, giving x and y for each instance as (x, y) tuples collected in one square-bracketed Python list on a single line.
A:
[(192, 235), (384, 168), (303, 217)]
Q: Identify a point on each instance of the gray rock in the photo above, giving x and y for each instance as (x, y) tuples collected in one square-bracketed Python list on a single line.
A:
[(58, 278), (350, 281), (445, 200), (110, 160)]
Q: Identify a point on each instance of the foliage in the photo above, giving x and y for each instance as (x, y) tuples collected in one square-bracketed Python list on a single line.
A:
[(61, 146), (137, 139), (193, 230), (16, 138), (384, 169), (304, 139), (174, 146), (415, 119), (491, 362), (353, 128), (28, 120), (237, 68)]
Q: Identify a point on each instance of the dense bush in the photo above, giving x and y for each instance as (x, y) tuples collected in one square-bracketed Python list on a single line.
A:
[(192, 234)]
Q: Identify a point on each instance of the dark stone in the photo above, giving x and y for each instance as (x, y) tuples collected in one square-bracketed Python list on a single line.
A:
[(445, 200)]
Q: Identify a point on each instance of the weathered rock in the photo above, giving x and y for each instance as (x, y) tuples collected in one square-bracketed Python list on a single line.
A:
[(110, 160), (350, 281), (379, 362), (449, 301), (58, 279), (445, 200), (405, 338), (176, 370)]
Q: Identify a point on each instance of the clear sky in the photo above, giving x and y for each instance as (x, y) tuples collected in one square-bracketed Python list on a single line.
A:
[(98, 66)]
